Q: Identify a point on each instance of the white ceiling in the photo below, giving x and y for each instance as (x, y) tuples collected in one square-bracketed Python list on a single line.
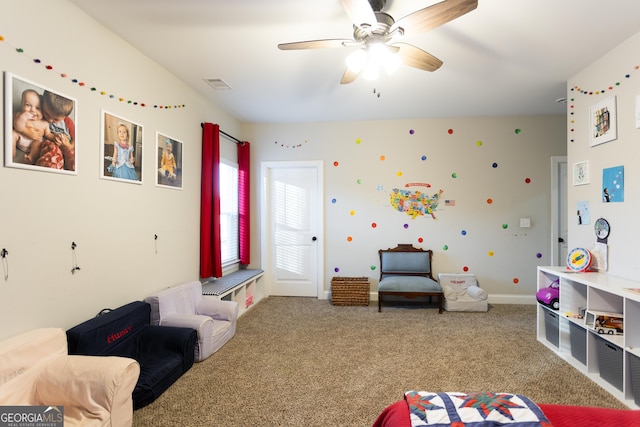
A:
[(507, 57)]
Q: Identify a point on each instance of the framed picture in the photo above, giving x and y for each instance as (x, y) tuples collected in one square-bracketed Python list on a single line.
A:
[(581, 173), (168, 162), (602, 122), (40, 127), (121, 149), (613, 184)]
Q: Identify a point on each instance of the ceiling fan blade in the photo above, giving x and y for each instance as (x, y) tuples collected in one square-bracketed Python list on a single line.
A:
[(359, 12), (417, 58), (349, 76), (434, 16), (315, 44)]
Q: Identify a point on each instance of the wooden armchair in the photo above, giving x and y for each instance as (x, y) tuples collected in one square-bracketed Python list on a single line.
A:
[(406, 271)]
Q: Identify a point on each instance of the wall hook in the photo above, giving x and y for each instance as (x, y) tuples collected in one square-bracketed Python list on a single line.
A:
[(5, 263), (74, 262)]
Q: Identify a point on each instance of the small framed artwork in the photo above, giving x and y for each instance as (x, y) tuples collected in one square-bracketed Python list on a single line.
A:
[(613, 184), (583, 213), (581, 173), (168, 162), (40, 127), (602, 122), (121, 149)]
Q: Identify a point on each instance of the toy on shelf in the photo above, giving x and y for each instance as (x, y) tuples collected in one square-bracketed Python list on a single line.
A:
[(550, 296), (579, 259), (605, 323)]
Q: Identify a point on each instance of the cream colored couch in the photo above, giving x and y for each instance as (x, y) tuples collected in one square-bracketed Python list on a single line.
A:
[(462, 293), (35, 369), (184, 306)]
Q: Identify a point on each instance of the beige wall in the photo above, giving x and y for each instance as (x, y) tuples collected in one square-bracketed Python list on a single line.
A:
[(361, 185), (112, 223), (604, 79)]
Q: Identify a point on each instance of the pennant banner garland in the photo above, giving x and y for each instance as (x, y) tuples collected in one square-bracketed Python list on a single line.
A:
[(92, 88)]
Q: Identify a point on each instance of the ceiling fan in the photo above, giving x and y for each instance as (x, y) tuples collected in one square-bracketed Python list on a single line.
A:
[(375, 33)]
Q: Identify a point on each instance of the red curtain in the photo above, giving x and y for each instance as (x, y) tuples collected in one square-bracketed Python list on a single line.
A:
[(210, 252), (244, 165)]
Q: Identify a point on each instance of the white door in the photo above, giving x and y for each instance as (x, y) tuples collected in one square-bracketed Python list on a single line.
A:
[(559, 211), (292, 228)]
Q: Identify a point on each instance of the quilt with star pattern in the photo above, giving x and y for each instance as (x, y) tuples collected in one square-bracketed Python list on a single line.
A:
[(483, 409)]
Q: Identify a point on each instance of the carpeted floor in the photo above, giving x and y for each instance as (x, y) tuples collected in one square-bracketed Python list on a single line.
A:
[(304, 362)]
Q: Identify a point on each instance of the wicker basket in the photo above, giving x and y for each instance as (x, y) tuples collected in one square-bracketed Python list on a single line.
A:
[(350, 291)]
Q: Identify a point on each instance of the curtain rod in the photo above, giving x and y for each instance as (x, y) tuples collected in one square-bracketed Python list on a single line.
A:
[(228, 136)]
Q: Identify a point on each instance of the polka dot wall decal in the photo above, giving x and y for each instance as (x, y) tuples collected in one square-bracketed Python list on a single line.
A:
[(465, 268), (454, 175), (527, 180), (505, 226), (405, 226), (380, 187), (424, 158), (463, 232), (335, 163), (411, 131), (399, 173), (334, 201), (352, 213), (349, 239), (489, 201), (359, 181), (445, 247), (538, 255), (479, 143), (336, 269), (516, 280), (374, 225), (490, 253), (450, 131), (358, 140), (373, 267), (494, 165), (518, 131), (420, 240), (382, 158)]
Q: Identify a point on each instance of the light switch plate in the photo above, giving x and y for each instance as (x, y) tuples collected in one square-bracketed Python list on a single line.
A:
[(525, 222)]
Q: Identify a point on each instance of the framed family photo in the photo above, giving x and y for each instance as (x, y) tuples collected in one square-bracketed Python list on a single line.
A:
[(602, 122), (120, 149), (168, 162), (40, 127)]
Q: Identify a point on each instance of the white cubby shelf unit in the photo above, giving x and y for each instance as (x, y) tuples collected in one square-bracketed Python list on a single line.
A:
[(610, 360), (242, 286)]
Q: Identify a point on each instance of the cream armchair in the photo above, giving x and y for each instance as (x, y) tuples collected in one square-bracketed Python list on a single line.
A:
[(462, 293), (36, 370), (185, 306)]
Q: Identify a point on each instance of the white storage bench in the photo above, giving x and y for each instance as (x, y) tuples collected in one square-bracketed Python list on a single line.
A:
[(242, 286)]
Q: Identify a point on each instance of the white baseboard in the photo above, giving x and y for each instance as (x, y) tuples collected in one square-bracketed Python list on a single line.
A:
[(493, 298)]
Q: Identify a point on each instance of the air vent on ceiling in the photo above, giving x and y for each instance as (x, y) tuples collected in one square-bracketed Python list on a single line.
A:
[(218, 84)]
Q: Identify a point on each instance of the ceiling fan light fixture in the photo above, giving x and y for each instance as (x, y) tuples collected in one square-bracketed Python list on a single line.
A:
[(357, 60)]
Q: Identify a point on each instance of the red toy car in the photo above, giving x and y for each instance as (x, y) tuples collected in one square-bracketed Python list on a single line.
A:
[(550, 296)]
